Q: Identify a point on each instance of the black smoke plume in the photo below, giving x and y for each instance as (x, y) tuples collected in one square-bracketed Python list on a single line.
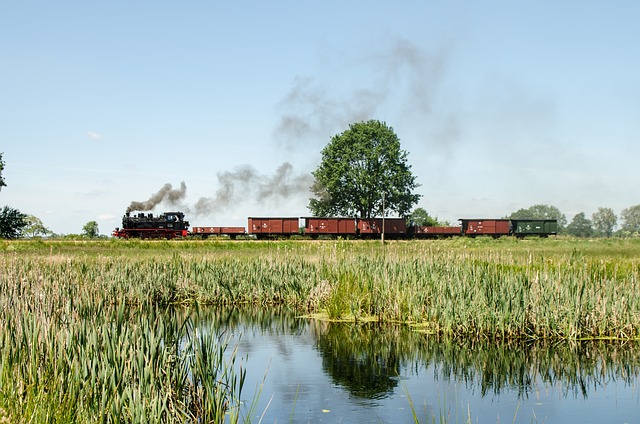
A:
[(166, 194), (404, 75), (246, 183)]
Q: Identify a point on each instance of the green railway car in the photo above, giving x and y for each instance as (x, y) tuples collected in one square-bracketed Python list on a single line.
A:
[(534, 227)]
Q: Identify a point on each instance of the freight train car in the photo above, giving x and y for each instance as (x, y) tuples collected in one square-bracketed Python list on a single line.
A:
[(534, 227), (355, 227), (334, 227), (206, 232), (373, 227), (435, 232), (486, 227), (276, 226)]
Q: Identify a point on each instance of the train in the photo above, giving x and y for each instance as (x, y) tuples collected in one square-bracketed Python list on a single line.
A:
[(168, 225), (171, 225)]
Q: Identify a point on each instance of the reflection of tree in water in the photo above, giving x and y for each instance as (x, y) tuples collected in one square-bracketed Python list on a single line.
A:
[(364, 358), (367, 358)]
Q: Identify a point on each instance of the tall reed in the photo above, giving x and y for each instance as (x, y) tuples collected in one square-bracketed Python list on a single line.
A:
[(71, 353)]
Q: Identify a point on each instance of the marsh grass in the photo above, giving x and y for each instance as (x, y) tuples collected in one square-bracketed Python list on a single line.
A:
[(482, 288), (69, 355)]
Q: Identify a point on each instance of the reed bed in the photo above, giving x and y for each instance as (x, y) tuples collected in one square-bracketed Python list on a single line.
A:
[(89, 331), (72, 354), (473, 288)]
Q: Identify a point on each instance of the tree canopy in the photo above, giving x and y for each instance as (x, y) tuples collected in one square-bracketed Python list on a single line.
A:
[(580, 226), (363, 173), (12, 223), (604, 220), (421, 217), (90, 229), (35, 227), (631, 219), (2, 183)]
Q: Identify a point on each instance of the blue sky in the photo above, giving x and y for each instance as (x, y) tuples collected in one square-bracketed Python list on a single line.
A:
[(501, 105)]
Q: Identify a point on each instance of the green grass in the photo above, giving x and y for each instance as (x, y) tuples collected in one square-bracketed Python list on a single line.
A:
[(481, 288)]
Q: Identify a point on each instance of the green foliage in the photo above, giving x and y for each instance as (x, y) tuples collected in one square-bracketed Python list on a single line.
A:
[(2, 183), (580, 226), (604, 220), (420, 217), (541, 212), (35, 227), (363, 172), (12, 223), (631, 219), (90, 229)]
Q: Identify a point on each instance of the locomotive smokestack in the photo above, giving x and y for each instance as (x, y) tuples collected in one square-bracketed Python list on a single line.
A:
[(166, 193)]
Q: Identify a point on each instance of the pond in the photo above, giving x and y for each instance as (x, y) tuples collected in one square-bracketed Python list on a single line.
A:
[(304, 370)]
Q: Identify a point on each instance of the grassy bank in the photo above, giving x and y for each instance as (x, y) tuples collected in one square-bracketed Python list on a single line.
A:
[(482, 288)]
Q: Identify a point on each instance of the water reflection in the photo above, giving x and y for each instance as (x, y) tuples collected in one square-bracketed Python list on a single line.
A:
[(362, 372), (576, 367), (364, 359)]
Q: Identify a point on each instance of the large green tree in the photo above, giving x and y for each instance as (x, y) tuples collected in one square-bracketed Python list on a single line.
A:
[(364, 173), (604, 220), (580, 226), (631, 219), (541, 212), (12, 223), (90, 229)]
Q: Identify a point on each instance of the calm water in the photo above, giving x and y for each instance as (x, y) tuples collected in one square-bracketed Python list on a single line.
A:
[(311, 371)]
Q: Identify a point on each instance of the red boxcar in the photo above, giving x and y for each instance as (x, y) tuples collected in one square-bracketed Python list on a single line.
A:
[(393, 227), (426, 232), (205, 232), (491, 227), (231, 231), (261, 227), (330, 226)]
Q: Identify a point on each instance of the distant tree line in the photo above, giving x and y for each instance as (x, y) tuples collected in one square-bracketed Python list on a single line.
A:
[(602, 223)]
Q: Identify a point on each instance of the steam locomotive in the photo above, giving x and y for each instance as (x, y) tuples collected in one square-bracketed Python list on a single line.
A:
[(167, 225), (171, 225)]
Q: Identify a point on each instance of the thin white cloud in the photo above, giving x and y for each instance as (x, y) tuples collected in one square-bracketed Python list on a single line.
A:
[(93, 193), (94, 135)]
